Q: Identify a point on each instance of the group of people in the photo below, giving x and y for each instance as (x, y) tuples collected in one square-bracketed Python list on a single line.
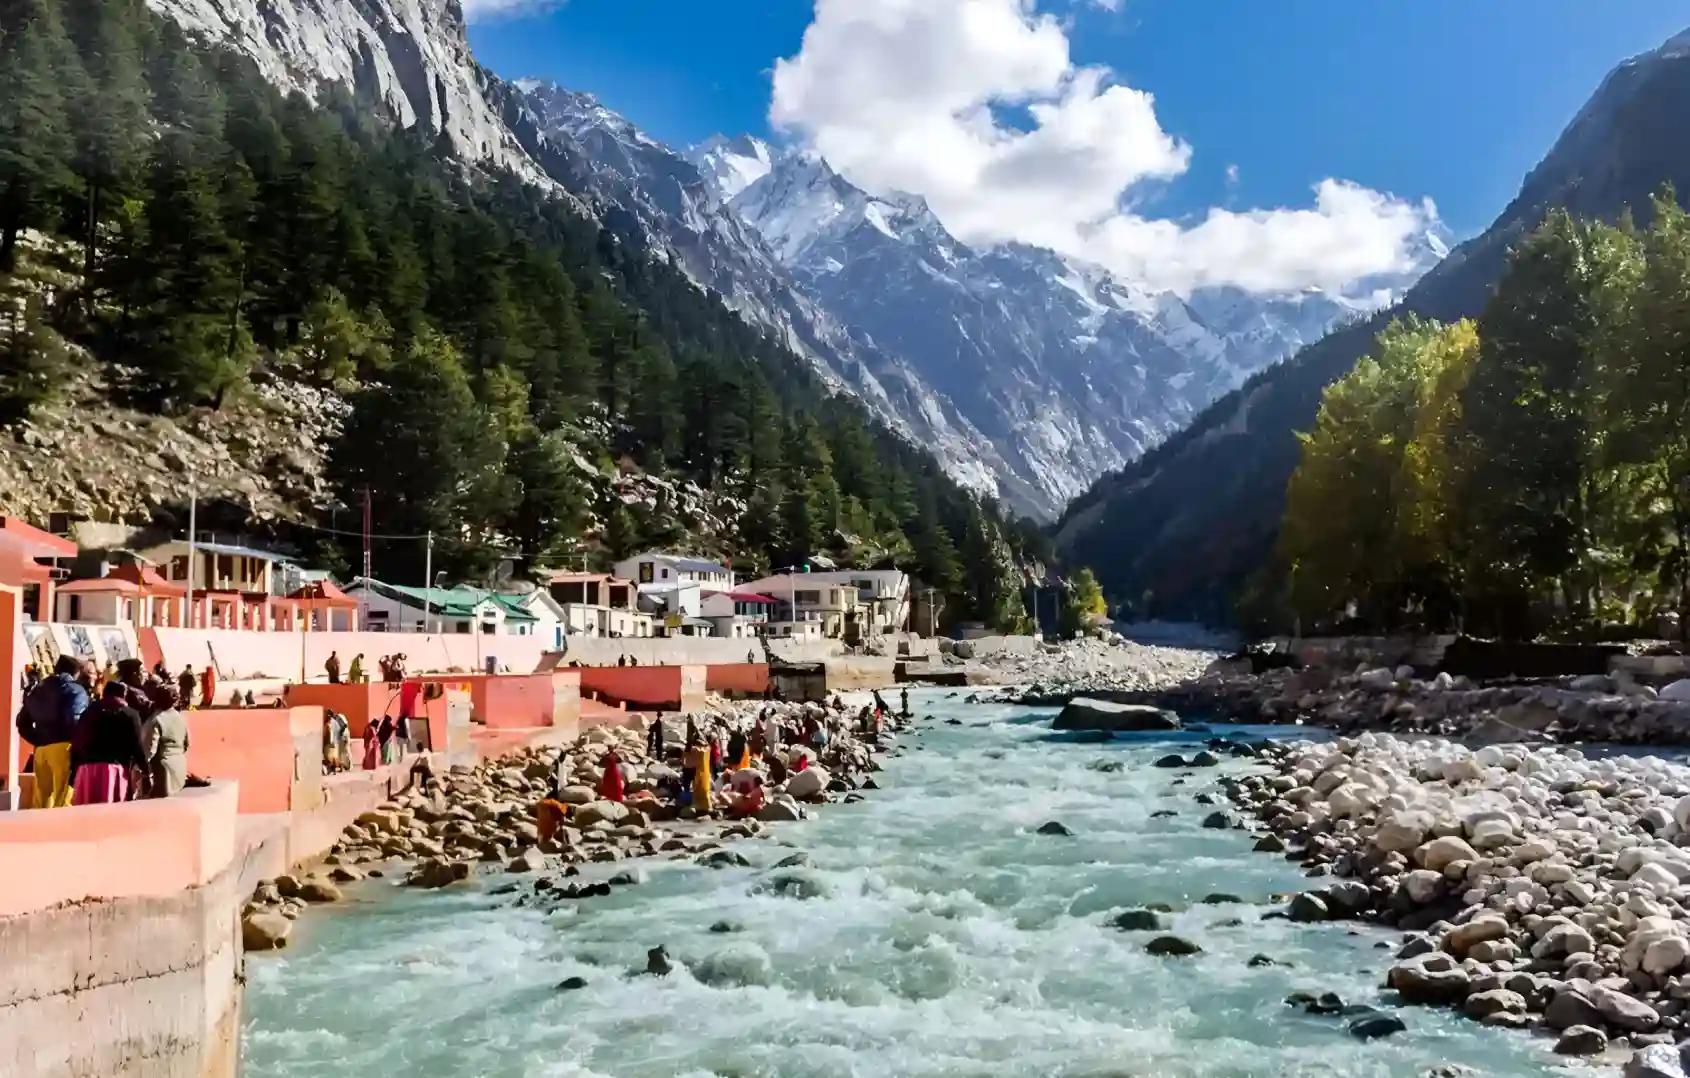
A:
[(726, 765), (100, 739), (387, 739), (392, 668)]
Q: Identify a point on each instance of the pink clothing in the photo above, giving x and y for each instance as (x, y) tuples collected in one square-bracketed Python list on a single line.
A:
[(101, 784), (372, 749)]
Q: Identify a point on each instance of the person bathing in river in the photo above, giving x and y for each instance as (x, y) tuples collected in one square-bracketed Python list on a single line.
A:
[(747, 791)]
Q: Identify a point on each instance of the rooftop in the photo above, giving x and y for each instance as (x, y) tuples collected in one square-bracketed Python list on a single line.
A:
[(454, 602)]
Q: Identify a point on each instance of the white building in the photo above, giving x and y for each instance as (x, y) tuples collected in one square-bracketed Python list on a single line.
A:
[(738, 614), (854, 605), (598, 604), (657, 568), (462, 609)]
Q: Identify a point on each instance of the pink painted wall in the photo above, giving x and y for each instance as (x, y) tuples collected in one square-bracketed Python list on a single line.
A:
[(276, 754), (740, 679), (115, 851), (649, 688), (566, 701), (254, 655)]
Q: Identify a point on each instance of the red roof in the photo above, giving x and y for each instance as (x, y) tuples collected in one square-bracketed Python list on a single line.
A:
[(324, 592), (102, 583), (148, 578), (748, 597)]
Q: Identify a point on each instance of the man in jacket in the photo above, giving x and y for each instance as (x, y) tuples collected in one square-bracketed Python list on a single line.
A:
[(48, 721)]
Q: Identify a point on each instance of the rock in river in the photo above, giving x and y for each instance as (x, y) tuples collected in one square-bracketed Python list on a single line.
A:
[(1083, 713), (1172, 947)]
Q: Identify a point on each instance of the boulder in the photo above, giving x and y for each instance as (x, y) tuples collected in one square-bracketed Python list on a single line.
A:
[(1430, 978), (1440, 853), (265, 930), (1402, 832), (1308, 908), (318, 889), (1623, 1011), (1478, 930), (809, 783), (1172, 760), (1055, 827), (1083, 713), (1171, 947), (1136, 921), (577, 795), (780, 810), (1568, 1008), (1581, 1041), (1496, 1001), (595, 811), (1677, 691), (529, 860), (1655, 1060), (1562, 940), (1378, 1024)]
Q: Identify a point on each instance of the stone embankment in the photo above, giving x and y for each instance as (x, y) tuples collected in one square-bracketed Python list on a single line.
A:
[(483, 819), (1588, 708), (1538, 888)]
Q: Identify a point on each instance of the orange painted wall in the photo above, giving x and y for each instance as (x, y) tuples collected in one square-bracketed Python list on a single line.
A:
[(115, 851), (645, 687), (276, 754), (739, 679)]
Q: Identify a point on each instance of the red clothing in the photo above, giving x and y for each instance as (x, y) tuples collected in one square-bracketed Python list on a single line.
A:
[(610, 787), (408, 694), (208, 687)]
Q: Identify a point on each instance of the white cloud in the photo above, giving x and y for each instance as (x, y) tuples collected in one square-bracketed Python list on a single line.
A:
[(488, 10), (913, 95)]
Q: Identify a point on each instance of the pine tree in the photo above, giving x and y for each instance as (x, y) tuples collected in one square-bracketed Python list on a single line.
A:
[(113, 122), (36, 60), (33, 358)]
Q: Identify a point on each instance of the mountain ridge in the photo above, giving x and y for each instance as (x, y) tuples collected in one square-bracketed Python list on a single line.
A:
[(1179, 532)]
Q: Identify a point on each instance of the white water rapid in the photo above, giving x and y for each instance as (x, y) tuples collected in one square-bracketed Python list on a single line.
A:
[(947, 938)]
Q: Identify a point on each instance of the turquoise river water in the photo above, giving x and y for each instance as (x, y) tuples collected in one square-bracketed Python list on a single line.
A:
[(950, 939)]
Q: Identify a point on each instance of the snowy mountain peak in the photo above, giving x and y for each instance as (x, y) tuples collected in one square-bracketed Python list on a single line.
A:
[(731, 165)]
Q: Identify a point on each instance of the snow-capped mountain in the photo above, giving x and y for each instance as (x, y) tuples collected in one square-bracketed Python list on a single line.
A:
[(1069, 370), (660, 199), (1025, 374)]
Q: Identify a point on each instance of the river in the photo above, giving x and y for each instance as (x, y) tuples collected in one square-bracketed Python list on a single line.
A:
[(948, 938)]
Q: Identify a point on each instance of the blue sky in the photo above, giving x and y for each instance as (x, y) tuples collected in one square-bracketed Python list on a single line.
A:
[(1449, 99)]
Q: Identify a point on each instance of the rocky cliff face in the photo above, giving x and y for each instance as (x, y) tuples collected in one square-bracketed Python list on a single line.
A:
[(653, 196), (1188, 523), (410, 56)]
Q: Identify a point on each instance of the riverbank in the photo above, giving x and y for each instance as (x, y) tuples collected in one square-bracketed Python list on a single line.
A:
[(1057, 670), (449, 828), (1541, 889), (934, 926)]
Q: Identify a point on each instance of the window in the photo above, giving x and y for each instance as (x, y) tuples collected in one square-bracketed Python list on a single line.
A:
[(665, 574), (645, 572), (812, 598), (179, 567)]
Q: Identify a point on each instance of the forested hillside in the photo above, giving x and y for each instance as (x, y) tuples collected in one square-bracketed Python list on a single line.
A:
[(200, 233), (1526, 473), (1181, 531)]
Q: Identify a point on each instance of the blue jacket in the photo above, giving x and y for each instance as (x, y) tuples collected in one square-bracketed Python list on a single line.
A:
[(50, 712)]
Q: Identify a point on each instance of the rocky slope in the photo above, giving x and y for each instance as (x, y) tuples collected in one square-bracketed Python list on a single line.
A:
[(1191, 520), (95, 458)]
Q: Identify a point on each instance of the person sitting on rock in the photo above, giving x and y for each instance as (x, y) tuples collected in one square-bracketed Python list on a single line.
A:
[(747, 793)]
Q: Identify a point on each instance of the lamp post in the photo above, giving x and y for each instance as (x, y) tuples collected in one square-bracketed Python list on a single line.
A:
[(193, 507)]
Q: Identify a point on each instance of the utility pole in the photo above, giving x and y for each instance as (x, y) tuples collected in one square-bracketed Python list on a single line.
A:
[(364, 594), (932, 615), (428, 585), (193, 508)]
